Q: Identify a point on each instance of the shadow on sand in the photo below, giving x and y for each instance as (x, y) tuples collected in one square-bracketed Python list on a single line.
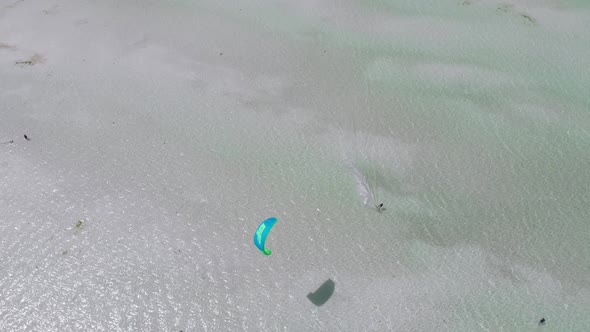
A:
[(322, 294)]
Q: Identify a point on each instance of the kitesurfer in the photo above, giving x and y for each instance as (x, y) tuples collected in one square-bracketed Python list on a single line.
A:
[(380, 208)]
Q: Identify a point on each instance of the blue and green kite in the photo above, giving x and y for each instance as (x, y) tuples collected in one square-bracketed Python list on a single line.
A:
[(261, 234)]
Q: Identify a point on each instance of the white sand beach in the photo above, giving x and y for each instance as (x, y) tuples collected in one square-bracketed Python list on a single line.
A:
[(161, 133)]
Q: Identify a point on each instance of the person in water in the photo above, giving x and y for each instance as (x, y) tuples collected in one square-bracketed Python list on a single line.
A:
[(380, 207)]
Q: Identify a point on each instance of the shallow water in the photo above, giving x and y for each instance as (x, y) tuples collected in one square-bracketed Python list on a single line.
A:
[(172, 128)]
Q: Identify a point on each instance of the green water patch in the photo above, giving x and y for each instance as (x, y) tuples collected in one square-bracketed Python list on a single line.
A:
[(499, 106), (516, 187)]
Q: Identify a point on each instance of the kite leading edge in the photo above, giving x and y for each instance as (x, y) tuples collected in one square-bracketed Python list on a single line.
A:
[(261, 234)]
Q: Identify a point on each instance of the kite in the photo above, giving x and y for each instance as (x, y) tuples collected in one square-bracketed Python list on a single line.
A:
[(261, 234)]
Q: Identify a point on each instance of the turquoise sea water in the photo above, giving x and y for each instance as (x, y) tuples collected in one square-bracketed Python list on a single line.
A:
[(173, 128), (471, 121)]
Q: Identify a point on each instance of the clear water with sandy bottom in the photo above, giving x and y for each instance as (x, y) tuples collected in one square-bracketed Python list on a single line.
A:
[(162, 132)]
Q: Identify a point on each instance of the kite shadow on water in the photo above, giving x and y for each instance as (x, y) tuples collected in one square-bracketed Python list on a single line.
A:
[(322, 294)]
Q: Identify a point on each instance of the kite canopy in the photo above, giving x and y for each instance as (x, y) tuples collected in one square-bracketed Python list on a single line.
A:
[(261, 234)]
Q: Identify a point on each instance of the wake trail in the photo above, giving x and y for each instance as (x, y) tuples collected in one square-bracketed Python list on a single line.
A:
[(365, 192)]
